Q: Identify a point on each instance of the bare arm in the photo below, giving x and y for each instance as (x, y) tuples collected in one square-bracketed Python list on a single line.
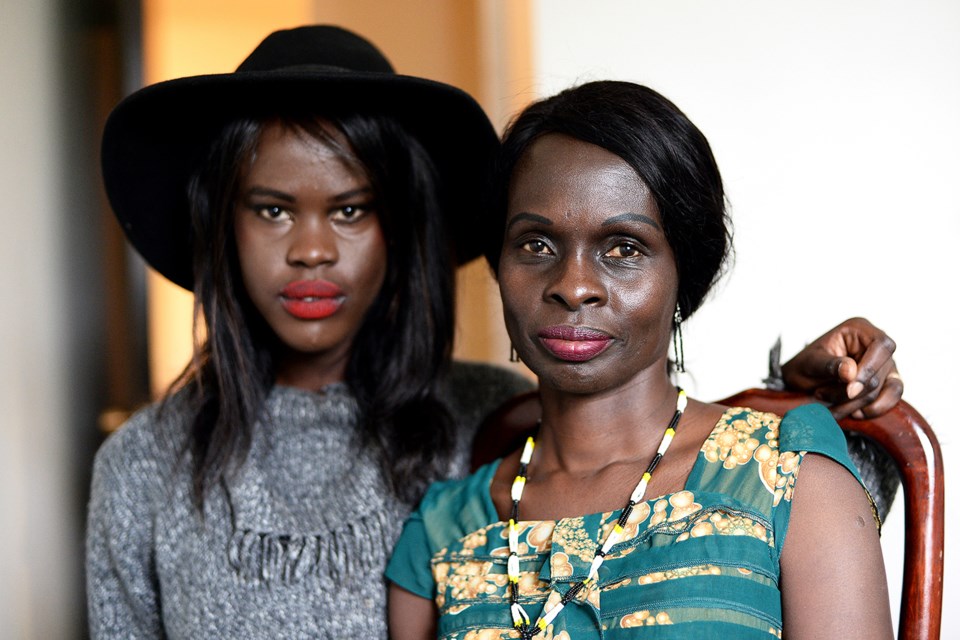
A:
[(833, 583), (409, 616)]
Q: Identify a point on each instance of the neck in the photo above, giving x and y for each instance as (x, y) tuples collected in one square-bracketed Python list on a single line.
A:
[(309, 371), (584, 433)]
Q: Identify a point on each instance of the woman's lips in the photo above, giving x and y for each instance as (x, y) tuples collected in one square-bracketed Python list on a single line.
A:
[(574, 344), (311, 299)]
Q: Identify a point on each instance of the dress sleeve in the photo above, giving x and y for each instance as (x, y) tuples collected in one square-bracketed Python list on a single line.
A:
[(449, 510), (409, 567), (806, 429), (122, 594), (812, 429)]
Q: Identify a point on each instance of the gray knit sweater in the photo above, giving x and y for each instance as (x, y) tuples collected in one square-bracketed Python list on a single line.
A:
[(293, 547)]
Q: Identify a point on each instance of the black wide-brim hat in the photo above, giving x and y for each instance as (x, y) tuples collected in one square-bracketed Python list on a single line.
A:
[(156, 138)]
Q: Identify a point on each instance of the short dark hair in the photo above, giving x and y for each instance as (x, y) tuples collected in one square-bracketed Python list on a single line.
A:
[(666, 150), (403, 345)]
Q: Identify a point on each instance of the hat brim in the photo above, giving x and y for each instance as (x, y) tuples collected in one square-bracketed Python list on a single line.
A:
[(155, 139)]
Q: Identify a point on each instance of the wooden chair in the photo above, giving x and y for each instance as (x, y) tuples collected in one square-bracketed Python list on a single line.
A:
[(902, 432)]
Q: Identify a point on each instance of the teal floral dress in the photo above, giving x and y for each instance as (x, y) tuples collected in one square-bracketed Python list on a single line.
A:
[(700, 563)]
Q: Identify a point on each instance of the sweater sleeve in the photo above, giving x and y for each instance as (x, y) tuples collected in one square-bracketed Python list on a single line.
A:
[(122, 589), (475, 389)]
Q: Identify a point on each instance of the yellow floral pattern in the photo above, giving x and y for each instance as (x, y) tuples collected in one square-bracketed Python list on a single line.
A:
[(571, 535), (645, 618), (733, 442)]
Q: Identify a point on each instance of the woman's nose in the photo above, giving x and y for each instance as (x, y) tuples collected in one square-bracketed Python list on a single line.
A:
[(313, 243), (577, 283)]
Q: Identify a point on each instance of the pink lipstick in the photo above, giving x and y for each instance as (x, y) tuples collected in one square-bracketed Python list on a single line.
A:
[(574, 344), (311, 299)]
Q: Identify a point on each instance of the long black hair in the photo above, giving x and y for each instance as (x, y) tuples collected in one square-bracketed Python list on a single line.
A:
[(663, 146), (403, 346)]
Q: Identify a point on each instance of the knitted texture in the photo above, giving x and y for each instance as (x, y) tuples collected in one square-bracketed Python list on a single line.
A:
[(293, 546)]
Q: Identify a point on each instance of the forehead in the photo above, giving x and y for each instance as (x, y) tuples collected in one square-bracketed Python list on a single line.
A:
[(558, 173), (322, 149)]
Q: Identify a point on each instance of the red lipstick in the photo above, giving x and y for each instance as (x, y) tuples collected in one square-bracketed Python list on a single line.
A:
[(574, 344), (311, 299)]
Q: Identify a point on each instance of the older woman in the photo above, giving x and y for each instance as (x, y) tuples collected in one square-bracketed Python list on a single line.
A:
[(635, 512)]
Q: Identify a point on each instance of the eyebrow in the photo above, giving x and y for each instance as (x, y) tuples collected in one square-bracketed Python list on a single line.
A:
[(270, 193), (286, 197), (631, 217), (353, 193), (531, 217)]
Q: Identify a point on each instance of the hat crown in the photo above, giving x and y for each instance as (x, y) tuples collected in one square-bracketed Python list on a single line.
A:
[(316, 46)]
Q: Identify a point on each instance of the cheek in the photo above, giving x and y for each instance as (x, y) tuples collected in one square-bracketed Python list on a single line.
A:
[(253, 258), (370, 255), (516, 303), (245, 254)]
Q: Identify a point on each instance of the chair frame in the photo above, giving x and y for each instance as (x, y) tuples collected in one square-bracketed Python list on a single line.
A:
[(901, 432), (908, 439)]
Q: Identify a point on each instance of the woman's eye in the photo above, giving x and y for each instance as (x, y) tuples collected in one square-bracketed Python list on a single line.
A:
[(349, 213), (536, 246), (624, 250), (273, 213)]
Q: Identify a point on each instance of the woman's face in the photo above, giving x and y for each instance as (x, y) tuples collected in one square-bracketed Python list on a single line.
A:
[(312, 253), (587, 277)]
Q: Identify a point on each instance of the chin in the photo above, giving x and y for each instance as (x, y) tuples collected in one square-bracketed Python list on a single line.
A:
[(573, 378)]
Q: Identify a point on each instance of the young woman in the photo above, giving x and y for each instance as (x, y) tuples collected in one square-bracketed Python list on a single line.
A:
[(634, 512), (308, 201)]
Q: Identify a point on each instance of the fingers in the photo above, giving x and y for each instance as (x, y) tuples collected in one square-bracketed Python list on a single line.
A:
[(887, 399), (850, 367), (877, 356), (842, 385), (846, 370), (882, 395), (853, 351), (815, 367)]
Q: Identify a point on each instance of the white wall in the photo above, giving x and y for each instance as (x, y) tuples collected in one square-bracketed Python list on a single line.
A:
[(837, 130)]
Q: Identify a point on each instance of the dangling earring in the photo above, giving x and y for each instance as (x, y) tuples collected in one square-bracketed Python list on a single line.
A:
[(678, 340), (514, 356)]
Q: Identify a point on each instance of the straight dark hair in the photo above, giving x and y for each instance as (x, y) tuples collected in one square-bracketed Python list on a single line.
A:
[(663, 146), (399, 354)]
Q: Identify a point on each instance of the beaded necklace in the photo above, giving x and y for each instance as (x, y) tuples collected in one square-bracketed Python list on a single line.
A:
[(521, 621)]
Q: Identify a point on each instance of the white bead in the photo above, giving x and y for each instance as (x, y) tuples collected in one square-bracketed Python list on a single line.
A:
[(516, 491), (519, 615), (527, 451), (664, 444), (595, 567), (611, 540), (553, 613), (639, 491), (513, 567)]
